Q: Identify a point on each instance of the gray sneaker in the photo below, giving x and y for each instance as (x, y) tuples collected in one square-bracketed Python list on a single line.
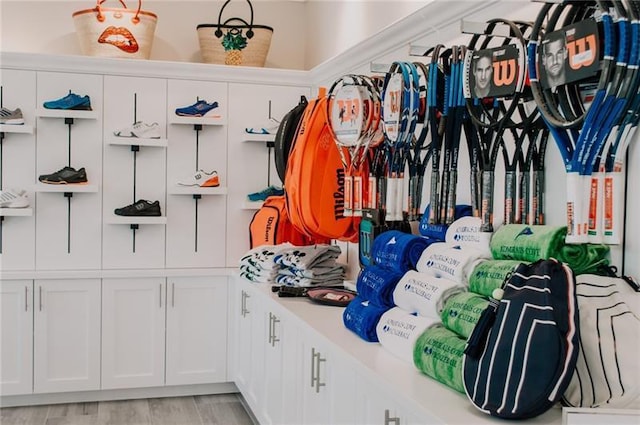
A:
[(7, 116)]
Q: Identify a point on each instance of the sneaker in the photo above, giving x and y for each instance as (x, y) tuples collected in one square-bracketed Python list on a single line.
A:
[(271, 127), (67, 175), (140, 130), (7, 116), (70, 101), (140, 208), (13, 199), (264, 194), (198, 109), (202, 179)]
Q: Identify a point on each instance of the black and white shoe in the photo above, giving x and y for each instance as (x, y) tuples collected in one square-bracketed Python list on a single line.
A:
[(141, 207), (67, 175)]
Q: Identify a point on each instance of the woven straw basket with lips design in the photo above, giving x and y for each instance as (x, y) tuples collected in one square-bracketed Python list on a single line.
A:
[(115, 32), (234, 41)]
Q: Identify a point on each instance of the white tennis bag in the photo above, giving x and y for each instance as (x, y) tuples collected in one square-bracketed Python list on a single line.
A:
[(607, 372)]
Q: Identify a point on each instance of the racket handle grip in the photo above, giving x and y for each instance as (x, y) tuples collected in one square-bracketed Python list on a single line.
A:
[(475, 192), (399, 191), (348, 196), (486, 207), (596, 208), (357, 196), (381, 195), (509, 197), (372, 193), (537, 204), (614, 207), (413, 181), (434, 208), (575, 232), (451, 197), (443, 196), (523, 213), (391, 198)]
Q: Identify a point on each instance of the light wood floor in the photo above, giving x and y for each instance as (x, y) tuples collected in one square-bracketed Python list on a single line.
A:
[(224, 409)]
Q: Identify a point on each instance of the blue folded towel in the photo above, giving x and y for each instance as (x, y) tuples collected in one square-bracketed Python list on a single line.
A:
[(362, 317), (398, 251), (439, 231), (376, 284)]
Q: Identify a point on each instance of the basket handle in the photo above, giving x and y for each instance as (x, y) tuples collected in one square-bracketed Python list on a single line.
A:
[(218, 32), (100, 17)]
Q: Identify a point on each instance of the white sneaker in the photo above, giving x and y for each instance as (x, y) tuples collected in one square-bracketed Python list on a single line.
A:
[(7, 116), (140, 130), (202, 179), (270, 127), (13, 199)]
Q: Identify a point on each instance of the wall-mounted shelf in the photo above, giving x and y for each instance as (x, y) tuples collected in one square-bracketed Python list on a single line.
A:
[(66, 113), (16, 212), (206, 120), (117, 219), (13, 128), (195, 190), (247, 137), (252, 205), (135, 141), (66, 188)]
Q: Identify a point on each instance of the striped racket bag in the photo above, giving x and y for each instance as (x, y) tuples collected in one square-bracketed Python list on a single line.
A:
[(522, 353), (607, 373)]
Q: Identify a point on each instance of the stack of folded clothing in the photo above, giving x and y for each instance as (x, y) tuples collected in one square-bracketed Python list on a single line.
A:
[(258, 264), (531, 243), (307, 266)]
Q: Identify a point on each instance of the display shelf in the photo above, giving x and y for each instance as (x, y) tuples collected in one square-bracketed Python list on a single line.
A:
[(252, 205), (195, 190), (66, 188), (16, 212), (16, 128), (135, 141), (66, 113), (117, 219), (206, 120), (247, 137)]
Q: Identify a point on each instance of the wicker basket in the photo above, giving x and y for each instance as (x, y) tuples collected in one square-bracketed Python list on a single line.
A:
[(115, 32), (234, 41)]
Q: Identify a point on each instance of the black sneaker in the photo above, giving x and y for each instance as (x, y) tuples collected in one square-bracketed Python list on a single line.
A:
[(67, 175), (140, 208)]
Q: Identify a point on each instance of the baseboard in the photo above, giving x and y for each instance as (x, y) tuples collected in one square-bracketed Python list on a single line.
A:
[(247, 408), (121, 394)]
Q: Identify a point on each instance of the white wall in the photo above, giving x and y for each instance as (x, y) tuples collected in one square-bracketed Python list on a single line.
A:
[(335, 26), (306, 33), (46, 26)]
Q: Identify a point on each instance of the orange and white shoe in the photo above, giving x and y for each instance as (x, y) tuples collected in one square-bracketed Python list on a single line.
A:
[(202, 179)]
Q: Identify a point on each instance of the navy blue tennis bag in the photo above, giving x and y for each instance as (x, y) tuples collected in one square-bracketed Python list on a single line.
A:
[(522, 353)]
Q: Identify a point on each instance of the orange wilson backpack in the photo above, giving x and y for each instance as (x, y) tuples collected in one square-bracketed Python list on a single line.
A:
[(314, 180), (270, 225)]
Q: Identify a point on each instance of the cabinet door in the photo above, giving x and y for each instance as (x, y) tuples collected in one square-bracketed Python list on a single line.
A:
[(67, 335), (196, 330), (281, 379), (16, 337), (376, 405), (328, 392), (241, 355), (133, 329)]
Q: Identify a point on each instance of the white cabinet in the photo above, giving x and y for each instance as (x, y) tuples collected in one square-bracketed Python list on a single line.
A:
[(241, 354), (133, 329), (328, 385), (196, 330), (66, 335), (375, 406), (16, 337), (280, 379)]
